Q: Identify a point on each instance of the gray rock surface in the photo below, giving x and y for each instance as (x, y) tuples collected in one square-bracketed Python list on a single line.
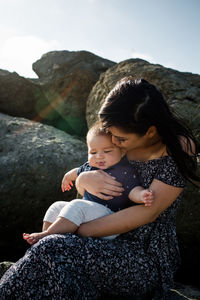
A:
[(33, 160), (4, 266), (189, 291), (58, 97), (20, 96), (66, 79)]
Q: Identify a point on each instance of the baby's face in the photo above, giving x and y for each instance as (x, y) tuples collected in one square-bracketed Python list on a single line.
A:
[(102, 153)]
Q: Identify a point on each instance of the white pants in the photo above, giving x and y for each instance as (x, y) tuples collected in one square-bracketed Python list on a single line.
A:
[(77, 211)]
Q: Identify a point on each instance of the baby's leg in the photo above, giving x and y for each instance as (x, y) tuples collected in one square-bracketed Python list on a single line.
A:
[(81, 211), (52, 220), (45, 225), (71, 216), (52, 214), (61, 225)]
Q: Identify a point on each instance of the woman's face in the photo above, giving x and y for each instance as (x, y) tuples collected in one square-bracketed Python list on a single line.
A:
[(127, 141)]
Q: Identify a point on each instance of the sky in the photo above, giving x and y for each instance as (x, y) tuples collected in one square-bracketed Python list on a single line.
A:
[(165, 32)]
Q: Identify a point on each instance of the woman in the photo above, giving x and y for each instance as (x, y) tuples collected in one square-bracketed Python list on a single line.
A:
[(145, 256)]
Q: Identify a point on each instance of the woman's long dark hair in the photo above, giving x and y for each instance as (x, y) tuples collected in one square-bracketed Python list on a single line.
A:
[(135, 105)]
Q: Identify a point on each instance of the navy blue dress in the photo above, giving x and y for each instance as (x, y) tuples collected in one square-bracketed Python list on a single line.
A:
[(70, 267)]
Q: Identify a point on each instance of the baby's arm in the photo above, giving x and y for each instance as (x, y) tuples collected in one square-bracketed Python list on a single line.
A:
[(68, 178), (140, 195)]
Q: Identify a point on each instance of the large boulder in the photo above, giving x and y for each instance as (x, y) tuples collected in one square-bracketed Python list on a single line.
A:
[(33, 159), (4, 266), (66, 79), (182, 91), (19, 96)]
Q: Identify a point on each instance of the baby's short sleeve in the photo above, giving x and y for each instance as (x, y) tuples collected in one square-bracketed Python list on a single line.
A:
[(85, 167)]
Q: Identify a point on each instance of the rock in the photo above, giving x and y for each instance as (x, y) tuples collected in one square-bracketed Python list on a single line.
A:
[(66, 79), (33, 159), (188, 291), (58, 98), (190, 112), (188, 231), (4, 266), (19, 96), (182, 91), (179, 292)]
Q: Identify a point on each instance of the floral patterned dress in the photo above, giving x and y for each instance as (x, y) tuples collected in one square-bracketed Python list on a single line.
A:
[(69, 267)]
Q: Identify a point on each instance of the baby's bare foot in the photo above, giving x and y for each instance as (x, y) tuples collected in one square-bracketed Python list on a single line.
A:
[(34, 237)]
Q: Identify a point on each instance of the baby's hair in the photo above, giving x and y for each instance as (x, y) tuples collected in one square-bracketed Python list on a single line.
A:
[(97, 130)]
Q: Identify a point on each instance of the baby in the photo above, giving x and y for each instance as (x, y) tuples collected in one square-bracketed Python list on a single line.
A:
[(66, 217)]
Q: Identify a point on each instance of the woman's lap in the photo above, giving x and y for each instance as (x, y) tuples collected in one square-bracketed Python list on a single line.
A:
[(69, 267), (46, 273)]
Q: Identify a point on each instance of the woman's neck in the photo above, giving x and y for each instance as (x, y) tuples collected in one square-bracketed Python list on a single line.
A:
[(153, 151)]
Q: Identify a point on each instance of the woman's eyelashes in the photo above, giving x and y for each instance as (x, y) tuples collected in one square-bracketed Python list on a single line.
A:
[(120, 140)]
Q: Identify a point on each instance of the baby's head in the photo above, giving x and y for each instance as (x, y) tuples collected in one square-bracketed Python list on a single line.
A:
[(102, 153)]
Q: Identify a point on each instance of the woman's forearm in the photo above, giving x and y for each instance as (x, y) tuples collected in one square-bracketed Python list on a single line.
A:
[(119, 222)]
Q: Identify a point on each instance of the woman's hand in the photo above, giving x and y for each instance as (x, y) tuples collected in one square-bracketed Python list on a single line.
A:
[(99, 183)]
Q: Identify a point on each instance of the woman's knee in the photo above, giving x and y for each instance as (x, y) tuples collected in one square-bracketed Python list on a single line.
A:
[(55, 245)]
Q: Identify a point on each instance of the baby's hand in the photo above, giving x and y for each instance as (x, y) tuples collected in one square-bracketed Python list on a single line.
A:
[(67, 187), (66, 183), (147, 197)]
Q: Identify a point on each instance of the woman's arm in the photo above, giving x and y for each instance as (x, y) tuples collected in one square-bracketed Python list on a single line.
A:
[(134, 216), (99, 183)]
